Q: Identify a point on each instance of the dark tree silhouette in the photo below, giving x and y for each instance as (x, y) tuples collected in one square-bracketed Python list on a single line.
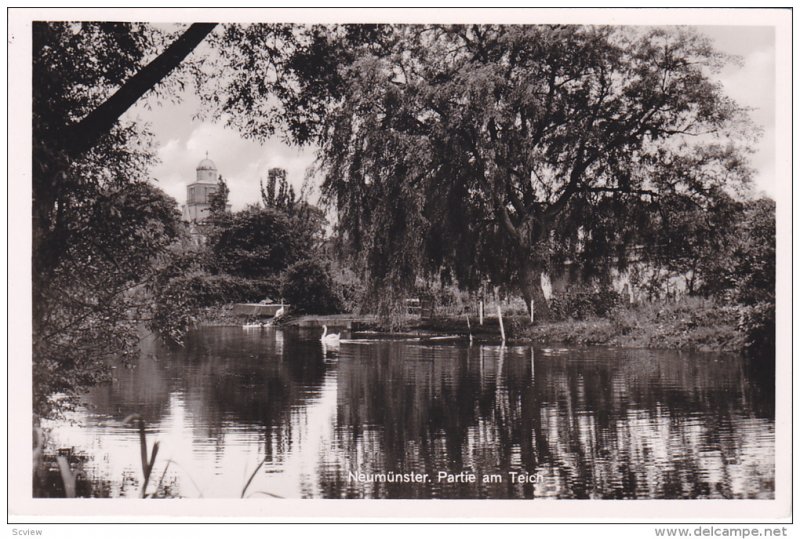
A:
[(493, 150), (99, 226)]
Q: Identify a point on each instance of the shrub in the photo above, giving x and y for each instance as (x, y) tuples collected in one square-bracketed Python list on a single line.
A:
[(757, 323), (179, 302), (255, 242), (308, 287), (350, 295), (580, 303)]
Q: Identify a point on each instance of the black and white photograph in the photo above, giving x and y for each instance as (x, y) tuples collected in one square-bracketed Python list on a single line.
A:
[(525, 255)]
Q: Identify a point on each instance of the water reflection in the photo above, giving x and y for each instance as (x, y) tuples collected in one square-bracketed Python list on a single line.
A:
[(587, 423)]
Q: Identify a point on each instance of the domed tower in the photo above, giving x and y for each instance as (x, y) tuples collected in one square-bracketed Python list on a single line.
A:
[(198, 194), (206, 171)]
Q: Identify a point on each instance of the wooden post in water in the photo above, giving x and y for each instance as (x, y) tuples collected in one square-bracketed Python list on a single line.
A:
[(469, 328), (500, 317)]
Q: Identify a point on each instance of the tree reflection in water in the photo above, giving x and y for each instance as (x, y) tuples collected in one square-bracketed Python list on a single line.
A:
[(592, 423), (588, 423)]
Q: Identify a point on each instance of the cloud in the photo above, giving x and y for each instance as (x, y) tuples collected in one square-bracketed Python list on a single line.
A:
[(752, 85)]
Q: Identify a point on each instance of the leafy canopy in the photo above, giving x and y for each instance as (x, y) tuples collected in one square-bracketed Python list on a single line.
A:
[(493, 151), (100, 229)]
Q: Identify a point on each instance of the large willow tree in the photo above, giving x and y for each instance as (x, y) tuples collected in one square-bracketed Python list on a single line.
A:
[(495, 151)]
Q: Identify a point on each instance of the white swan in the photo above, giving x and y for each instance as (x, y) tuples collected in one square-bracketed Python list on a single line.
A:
[(280, 312), (332, 338)]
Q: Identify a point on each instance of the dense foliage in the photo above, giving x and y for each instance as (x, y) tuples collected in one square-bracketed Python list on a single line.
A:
[(308, 287), (493, 152), (745, 274), (581, 302), (99, 227), (253, 242), (260, 252), (181, 299)]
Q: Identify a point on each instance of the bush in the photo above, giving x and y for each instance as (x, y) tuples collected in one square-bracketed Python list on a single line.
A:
[(308, 288), (580, 303), (179, 303), (350, 295), (689, 323), (254, 243), (757, 323)]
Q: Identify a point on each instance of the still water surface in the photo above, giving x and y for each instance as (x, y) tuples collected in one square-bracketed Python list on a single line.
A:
[(581, 423)]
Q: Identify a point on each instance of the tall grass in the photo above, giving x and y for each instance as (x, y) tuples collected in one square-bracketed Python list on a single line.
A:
[(147, 463), (68, 478), (148, 455), (690, 323)]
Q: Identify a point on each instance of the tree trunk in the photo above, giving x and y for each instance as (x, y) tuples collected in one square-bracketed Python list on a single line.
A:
[(531, 288)]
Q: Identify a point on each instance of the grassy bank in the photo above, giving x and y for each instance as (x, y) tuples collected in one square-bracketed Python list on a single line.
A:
[(690, 324)]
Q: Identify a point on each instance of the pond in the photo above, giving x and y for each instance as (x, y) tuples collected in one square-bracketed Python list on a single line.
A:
[(269, 412)]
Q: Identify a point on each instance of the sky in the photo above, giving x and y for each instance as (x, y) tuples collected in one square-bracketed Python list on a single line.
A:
[(752, 84), (182, 140)]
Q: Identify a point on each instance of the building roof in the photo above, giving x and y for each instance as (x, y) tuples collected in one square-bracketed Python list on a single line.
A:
[(206, 164)]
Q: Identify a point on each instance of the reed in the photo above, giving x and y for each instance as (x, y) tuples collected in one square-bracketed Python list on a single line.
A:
[(147, 464), (250, 480), (252, 476), (69, 479), (38, 448)]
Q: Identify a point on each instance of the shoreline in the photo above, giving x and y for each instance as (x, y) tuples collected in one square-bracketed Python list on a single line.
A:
[(664, 327)]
